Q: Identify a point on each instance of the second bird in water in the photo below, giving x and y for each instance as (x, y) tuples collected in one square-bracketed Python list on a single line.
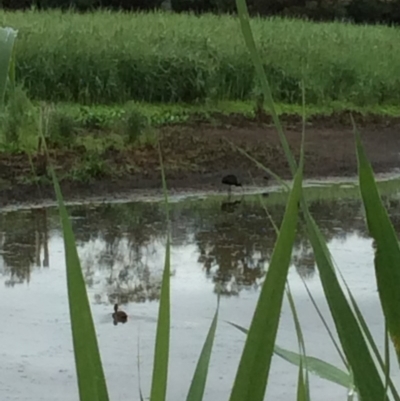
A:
[(119, 316)]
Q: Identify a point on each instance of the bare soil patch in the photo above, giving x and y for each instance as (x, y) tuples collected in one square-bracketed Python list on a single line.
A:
[(197, 155)]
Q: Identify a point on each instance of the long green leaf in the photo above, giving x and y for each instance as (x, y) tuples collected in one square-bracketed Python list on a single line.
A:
[(316, 366), (324, 322), (7, 39), (349, 331), (266, 90), (302, 391), (91, 380), (303, 382), (252, 375), (161, 354), (198, 384), (387, 255), (369, 337)]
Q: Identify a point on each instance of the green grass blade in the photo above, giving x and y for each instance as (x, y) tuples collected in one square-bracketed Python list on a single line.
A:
[(387, 359), (198, 384), (304, 386), (336, 345), (91, 381), (266, 90), (369, 337), (302, 391), (316, 366), (258, 164), (252, 375), (7, 40), (349, 331), (387, 255), (141, 398), (161, 354)]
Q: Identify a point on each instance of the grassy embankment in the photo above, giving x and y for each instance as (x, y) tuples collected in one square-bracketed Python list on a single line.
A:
[(108, 80)]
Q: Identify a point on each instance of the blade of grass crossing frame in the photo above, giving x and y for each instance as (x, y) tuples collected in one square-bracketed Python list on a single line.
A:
[(304, 387), (198, 385), (161, 354), (252, 374), (91, 380), (266, 90), (365, 372), (141, 398), (302, 391), (387, 255), (7, 40), (387, 359), (368, 335), (342, 357), (316, 366), (260, 165)]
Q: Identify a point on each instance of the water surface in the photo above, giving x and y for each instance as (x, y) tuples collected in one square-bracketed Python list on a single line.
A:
[(216, 247)]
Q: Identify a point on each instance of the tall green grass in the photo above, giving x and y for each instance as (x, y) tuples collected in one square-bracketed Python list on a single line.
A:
[(107, 57)]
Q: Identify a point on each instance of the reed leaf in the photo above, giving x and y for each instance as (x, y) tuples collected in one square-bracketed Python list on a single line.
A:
[(161, 353), (387, 255), (366, 377), (252, 375), (316, 366), (91, 380), (198, 384)]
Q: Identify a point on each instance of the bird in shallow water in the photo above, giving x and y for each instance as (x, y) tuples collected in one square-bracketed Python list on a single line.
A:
[(119, 316), (231, 180)]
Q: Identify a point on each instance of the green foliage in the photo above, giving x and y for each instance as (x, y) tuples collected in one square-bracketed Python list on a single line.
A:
[(105, 57), (61, 128), (92, 166), (18, 120), (7, 39), (133, 125)]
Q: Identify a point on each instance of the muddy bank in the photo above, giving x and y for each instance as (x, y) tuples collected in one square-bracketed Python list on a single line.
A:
[(198, 154)]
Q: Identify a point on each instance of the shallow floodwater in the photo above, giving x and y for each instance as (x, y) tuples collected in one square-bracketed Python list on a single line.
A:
[(215, 247)]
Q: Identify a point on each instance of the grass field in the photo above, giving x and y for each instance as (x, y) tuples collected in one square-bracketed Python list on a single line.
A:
[(109, 58)]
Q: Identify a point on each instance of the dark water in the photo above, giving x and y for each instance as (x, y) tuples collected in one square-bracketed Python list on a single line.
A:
[(215, 247)]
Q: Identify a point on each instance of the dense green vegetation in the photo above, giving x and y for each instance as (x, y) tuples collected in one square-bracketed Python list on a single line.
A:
[(359, 11), (106, 57)]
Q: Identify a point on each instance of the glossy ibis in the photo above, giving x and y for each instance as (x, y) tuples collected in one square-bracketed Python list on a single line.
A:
[(231, 180)]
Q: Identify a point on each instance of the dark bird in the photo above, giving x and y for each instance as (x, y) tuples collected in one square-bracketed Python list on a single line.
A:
[(119, 316), (231, 180)]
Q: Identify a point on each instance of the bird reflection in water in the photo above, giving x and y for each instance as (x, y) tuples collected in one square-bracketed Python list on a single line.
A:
[(230, 207), (119, 316)]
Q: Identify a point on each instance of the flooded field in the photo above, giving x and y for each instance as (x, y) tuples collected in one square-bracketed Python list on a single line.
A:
[(217, 246)]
